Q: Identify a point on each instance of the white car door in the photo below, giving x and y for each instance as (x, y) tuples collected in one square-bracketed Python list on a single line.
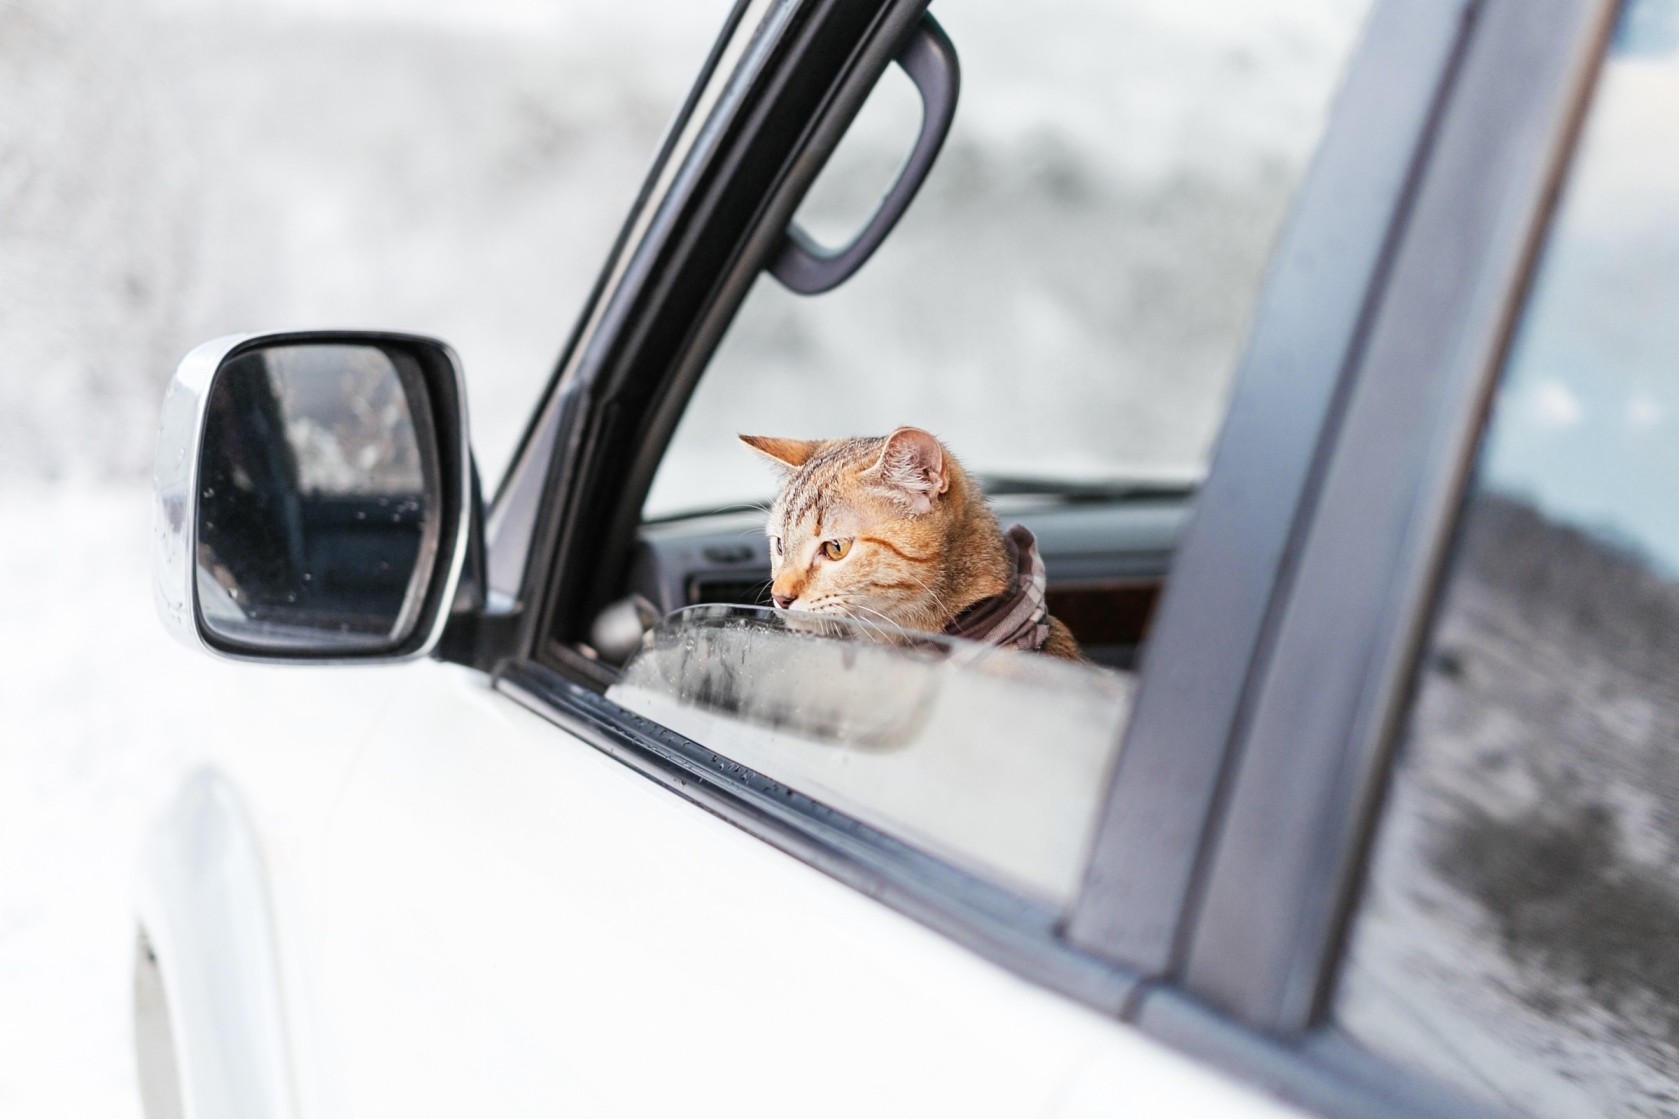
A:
[(512, 922)]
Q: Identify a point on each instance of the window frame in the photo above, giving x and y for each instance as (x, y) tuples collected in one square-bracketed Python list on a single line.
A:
[(1252, 984), (693, 245)]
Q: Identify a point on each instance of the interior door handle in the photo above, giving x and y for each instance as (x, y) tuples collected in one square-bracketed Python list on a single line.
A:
[(929, 58)]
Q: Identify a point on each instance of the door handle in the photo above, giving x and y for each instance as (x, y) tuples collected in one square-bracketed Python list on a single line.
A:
[(929, 58)]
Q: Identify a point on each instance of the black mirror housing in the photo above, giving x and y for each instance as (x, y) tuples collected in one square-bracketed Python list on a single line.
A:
[(313, 497)]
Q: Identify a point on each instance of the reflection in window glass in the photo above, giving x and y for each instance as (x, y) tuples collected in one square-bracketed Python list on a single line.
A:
[(995, 760), (1518, 933)]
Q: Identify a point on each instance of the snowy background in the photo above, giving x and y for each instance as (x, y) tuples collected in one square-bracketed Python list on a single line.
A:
[(174, 170)]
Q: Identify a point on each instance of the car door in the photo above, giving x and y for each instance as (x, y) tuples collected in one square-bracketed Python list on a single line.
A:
[(532, 896), (1459, 694)]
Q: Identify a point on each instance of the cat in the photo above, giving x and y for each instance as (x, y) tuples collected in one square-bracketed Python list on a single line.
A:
[(892, 529)]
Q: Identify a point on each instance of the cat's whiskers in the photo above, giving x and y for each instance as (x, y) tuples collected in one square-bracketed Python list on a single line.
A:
[(931, 593), (842, 605), (876, 613)]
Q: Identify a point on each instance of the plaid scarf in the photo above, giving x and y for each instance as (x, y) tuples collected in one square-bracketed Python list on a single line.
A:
[(1018, 617)]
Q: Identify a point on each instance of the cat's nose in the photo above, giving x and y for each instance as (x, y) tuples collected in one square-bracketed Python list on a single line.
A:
[(785, 601)]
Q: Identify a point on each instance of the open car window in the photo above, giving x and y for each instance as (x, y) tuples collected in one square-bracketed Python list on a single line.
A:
[(1064, 306), (1067, 297), (992, 759)]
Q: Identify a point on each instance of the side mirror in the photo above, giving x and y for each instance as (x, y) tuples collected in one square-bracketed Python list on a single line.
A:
[(312, 496)]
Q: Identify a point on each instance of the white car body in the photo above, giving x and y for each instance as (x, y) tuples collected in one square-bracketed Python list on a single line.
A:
[(396, 891)]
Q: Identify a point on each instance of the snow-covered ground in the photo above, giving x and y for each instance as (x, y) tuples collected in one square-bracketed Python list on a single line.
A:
[(174, 170), (99, 708), (170, 172)]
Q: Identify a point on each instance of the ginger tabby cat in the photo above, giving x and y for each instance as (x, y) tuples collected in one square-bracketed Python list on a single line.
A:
[(891, 529)]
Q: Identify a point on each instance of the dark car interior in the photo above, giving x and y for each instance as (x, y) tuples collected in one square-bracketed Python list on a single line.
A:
[(1105, 549)]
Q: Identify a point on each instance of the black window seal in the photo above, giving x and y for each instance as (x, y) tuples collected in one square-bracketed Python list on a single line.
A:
[(1283, 870), (1321, 1069)]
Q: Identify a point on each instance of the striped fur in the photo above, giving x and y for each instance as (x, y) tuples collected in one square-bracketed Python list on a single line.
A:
[(920, 545)]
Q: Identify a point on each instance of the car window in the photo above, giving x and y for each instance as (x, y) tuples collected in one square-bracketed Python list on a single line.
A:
[(1068, 295), (1516, 932), (1063, 305)]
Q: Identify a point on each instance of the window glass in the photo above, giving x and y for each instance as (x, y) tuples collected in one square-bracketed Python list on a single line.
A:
[(929, 738), (1518, 930)]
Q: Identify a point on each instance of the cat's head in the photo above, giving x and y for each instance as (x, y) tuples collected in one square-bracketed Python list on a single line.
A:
[(877, 529)]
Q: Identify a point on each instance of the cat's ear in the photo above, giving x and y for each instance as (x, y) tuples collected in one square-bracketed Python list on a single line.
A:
[(912, 468), (791, 453)]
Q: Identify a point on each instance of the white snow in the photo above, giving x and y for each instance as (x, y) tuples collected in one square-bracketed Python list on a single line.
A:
[(99, 719), (170, 172)]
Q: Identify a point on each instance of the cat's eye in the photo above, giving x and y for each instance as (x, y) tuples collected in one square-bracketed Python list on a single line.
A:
[(775, 543), (836, 549)]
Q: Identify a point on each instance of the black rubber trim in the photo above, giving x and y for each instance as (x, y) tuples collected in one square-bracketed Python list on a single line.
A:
[(1021, 935), (1323, 1071), (929, 58)]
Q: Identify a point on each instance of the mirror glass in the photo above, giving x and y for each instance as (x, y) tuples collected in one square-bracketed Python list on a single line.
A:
[(318, 510)]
